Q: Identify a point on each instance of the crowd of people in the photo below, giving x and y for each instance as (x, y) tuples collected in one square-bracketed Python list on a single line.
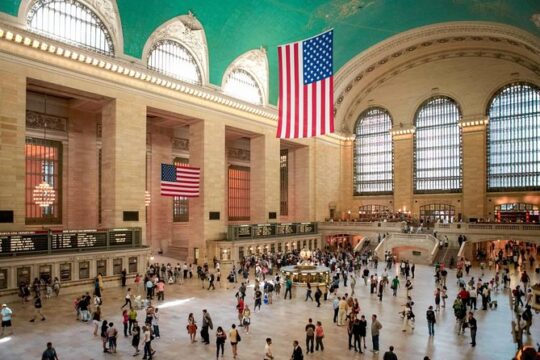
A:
[(262, 274)]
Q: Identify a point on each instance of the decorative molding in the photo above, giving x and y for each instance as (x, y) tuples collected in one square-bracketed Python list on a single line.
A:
[(238, 154), (37, 120), (188, 31), (536, 19), (433, 35), (28, 41), (255, 62), (352, 110), (403, 131), (180, 144)]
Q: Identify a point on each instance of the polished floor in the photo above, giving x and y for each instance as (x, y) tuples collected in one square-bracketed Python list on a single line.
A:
[(283, 321)]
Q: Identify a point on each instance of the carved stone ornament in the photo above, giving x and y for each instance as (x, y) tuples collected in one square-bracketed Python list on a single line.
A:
[(536, 19), (180, 29), (180, 144), (238, 154), (254, 62), (36, 120)]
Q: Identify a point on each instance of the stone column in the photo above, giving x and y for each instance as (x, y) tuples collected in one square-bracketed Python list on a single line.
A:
[(403, 169), (160, 210), (123, 162), (264, 187), (474, 167), (302, 194), (207, 151), (82, 172), (12, 143)]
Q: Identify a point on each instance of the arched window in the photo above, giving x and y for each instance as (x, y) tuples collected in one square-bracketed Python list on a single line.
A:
[(513, 138), (242, 85), (173, 59), (373, 153), (437, 155), (71, 22)]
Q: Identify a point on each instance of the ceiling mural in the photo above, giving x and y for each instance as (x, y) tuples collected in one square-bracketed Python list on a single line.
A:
[(233, 27)]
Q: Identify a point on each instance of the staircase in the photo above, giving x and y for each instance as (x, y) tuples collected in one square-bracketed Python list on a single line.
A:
[(445, 254)]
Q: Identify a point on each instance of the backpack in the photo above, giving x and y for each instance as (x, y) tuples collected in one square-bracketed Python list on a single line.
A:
[(431, 316), (310, 331), (526, 316)]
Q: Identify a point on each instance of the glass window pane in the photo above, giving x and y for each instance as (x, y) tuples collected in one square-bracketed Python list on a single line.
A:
[(173, 59), (242, 85), (71, 22), (438, 147), (513, 139), (373, 158)]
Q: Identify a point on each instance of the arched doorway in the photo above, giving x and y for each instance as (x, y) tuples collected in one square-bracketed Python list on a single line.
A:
[(517, 212)]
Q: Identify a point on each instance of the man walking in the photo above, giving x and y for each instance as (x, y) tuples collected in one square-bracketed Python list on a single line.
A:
[(206, 323), (297, 351), (49, 353), (390, 355), (375, 330), (6, 319), (310, 336), (472, 327), (288, 286), (430, 317), (37, 308)]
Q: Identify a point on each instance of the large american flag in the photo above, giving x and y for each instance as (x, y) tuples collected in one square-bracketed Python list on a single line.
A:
[(306, 87), (180, 180)]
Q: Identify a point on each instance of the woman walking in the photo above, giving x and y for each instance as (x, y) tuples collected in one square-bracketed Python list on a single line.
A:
[(125, 321), (136, 331), (319, 335), (234, 337), (104, 328), (220, 341), (96, 319), (246, 318), (192, 328), (438, 299), (444, 296)]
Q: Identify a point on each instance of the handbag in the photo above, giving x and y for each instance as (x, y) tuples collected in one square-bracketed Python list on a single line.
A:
[(238, 337)]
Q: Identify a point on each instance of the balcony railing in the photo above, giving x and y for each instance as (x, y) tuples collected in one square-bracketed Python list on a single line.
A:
[(262, 231)]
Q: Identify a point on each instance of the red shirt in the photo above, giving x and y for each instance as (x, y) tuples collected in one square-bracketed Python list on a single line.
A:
[(463, 294)]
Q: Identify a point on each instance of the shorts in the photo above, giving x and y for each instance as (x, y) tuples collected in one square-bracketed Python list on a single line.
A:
[(6, 323)]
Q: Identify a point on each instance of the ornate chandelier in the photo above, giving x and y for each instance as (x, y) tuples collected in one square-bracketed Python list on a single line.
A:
[(147, 198), (44, 194)]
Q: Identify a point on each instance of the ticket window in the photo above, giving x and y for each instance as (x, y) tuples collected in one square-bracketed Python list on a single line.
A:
[(241, 253), (196, 255), (225, 254), (45, 273), (3, 278), (273, 248), (132, 265), (101, 267), (84, 270), (279, 247), (304, 244), (314, 244), (23, 275), (65, 272), (117, 266), (310, 244)]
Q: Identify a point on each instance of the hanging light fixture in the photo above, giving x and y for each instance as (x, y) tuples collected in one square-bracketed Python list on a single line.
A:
[(44, 194), (147, 198)]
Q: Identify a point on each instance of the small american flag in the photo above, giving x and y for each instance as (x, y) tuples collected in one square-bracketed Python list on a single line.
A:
[(180, 180), (306, 87)]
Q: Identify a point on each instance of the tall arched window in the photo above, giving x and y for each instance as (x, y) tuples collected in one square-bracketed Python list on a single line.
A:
[(513, 139), (173, 59), (373, 153), (242, 85), (71, 22), (437, 155)]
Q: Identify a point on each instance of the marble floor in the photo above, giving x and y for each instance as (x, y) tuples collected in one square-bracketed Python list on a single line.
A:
[(283, 321)]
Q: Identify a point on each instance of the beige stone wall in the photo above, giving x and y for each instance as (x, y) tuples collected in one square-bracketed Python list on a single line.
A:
[(471, 82), (12, 140)]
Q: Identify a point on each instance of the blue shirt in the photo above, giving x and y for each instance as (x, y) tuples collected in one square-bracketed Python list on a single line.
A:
[(6, 314)]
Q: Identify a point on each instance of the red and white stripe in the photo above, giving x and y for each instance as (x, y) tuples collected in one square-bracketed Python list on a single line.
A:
[(304, 110), (187, 183)]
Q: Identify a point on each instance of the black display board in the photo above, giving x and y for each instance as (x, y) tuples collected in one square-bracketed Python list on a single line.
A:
[(21, 242), (79, 239)]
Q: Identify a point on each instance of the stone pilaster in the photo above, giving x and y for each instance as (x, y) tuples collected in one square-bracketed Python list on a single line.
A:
[(403, 171), (207, 151), (123, 162), (474, 167), (12, 142), (264, 187)]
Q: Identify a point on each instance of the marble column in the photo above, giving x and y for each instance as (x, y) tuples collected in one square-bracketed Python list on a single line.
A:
[(474, 167)]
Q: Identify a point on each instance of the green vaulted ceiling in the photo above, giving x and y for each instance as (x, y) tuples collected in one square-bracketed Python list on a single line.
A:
[(235, 26)]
